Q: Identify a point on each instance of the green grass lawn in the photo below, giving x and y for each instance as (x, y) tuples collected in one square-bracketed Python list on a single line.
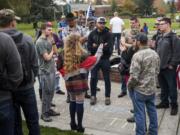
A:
[(28, 28), (50, 131)]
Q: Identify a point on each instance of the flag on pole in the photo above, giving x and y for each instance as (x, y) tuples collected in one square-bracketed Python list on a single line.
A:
[(89, 12)]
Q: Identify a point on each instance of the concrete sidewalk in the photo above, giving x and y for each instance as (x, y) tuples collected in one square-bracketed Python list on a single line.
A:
[(99, 119), (108, 120)]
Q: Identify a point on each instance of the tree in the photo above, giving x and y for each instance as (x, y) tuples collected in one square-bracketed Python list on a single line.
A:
[(98, 2), (4, 4), (21, 7), (42, 9), (114, 5), (144, 7), (161, 7), (129, 5)]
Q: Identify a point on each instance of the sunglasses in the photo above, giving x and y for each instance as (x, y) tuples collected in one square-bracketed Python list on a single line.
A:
[(102, 23), (162, 23)]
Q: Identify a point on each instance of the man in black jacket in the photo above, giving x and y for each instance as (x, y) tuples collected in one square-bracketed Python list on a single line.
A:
[(167, 50), (101, 35), (10, 77), (24, 95)]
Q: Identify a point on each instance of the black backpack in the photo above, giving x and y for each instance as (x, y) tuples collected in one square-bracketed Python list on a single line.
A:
[(24, 52)]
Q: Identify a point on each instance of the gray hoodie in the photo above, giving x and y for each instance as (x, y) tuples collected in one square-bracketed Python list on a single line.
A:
[(31, 54), (11, 73)]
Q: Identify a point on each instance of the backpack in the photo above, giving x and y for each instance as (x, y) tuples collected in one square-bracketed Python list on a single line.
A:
[(25, 62)]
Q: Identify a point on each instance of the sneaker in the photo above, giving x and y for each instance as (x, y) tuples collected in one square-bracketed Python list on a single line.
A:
[(174, 110), (162, 105), (60, 92), (53, 113), (53, 105), (93, 100), (87, 95), (132, 111), (107, 101), (131, 119), (122, 94), (46, 118)]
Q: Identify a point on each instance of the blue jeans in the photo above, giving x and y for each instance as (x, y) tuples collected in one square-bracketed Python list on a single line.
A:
[(6, 118), (167, 81), (123, 85), (104, 65), (26, 100), (57, 79), (141, 102)]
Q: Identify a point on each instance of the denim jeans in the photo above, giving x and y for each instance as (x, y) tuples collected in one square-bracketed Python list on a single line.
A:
[(141, 102), (104, 65), (6, 118), (123, 85), (116, 36), (57, 79), (26, 100), (167, 81)]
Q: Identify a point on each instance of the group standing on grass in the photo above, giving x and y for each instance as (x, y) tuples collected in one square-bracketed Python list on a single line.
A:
[(76, 51)]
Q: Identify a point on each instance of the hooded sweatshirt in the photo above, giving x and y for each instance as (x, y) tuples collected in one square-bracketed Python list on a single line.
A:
[(10, 67), (31, 55)]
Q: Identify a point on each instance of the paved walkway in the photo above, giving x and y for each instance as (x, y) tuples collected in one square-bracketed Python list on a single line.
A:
[(108, 120)]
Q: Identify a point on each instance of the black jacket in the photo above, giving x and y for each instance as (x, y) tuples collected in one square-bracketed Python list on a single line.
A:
[(97, 38), (31, 54), (11, 73), (167, 50)]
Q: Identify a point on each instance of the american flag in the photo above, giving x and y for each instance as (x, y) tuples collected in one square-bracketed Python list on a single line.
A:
[(89, 12)]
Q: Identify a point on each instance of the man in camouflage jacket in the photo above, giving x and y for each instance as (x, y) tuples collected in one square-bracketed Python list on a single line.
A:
[(142, 85)]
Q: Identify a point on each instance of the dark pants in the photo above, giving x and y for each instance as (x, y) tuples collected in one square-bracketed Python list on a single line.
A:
[(123, 84), (104, 65), (26, 100), (167, 81), (6, 118), (117, 37)]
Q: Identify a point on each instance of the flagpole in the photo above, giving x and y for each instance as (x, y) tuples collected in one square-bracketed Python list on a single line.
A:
[(87, 14)]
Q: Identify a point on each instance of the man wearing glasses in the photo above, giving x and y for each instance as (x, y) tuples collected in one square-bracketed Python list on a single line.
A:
[(101, 35), (167, 50)]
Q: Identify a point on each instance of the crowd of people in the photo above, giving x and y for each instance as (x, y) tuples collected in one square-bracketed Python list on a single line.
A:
[(82, 47)]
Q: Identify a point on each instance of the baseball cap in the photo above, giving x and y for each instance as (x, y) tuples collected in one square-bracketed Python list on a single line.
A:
[(49, 24), (142, 37), (101, 19), (70, 16), (8, 14)]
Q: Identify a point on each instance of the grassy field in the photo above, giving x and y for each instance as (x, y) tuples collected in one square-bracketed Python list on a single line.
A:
[(50, 131), (28, 28)]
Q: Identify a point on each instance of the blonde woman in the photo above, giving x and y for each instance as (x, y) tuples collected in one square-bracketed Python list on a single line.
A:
[(76, 64)]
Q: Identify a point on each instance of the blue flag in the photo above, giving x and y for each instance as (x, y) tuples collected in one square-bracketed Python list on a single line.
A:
[(89, 12)]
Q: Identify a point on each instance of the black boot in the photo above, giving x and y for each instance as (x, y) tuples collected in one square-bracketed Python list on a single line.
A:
[(174, 109), (72, 110)]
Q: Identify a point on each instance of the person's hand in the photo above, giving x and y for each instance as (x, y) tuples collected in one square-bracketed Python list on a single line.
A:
[(94, 45), (170, 66), (123, 47)]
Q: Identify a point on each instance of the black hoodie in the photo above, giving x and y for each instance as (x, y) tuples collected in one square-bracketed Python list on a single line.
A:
[(26, 40), (97, 38)]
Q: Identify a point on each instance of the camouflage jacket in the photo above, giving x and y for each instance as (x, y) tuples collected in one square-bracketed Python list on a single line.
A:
[(130, 35), (143, 71)]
